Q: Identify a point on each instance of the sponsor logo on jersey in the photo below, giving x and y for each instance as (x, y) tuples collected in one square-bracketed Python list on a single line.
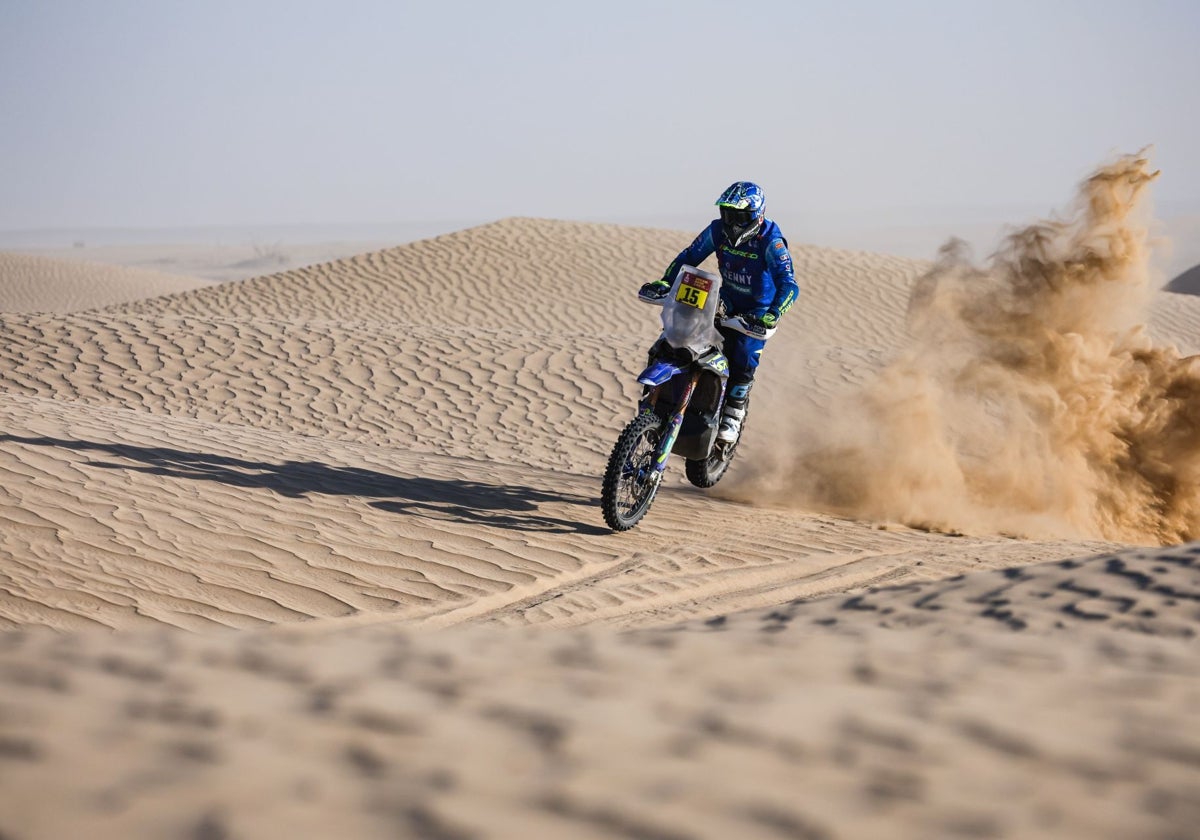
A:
[(738, 280), (749, 255)]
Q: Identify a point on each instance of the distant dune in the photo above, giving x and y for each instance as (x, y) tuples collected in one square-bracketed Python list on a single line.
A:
[(320, 553), (41, 284), (213, 262)]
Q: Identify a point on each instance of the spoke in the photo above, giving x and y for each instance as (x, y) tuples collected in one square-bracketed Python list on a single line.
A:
[(636, 473), (631, 488)]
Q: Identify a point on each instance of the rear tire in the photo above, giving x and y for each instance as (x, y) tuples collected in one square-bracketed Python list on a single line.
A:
[(705, 472), (630, 480)]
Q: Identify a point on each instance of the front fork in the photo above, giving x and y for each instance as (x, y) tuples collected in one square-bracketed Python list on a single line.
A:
[(663, 452)]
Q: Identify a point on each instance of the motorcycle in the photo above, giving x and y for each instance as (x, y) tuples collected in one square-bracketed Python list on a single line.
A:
[(680, 408)]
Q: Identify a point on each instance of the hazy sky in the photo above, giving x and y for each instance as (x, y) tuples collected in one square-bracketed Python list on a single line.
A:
[(159, 113)]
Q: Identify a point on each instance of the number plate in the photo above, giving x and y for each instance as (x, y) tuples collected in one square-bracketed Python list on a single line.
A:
[(693, 290)]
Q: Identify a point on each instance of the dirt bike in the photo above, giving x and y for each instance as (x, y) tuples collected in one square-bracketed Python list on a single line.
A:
[(684, 390)]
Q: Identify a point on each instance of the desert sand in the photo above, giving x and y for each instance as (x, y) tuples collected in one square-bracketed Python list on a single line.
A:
[(38, 283), (319, 553), (203, 261)]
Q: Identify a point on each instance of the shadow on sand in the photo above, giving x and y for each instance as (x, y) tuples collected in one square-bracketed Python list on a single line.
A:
[(498, 505)]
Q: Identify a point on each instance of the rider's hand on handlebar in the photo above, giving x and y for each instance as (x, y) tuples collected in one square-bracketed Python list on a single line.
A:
[(655, 289), (768, 318)]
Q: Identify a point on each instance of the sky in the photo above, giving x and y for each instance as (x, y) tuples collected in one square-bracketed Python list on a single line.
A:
[(172, 114)]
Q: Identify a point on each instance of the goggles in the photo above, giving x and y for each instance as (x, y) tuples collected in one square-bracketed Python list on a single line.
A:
[(735, 218)]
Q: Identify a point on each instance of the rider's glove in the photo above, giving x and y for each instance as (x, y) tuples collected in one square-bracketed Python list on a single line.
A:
[(655, 290), (769, 319)]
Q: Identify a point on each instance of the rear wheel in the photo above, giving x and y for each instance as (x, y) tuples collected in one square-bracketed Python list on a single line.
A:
[(705, 472), (630, 481)]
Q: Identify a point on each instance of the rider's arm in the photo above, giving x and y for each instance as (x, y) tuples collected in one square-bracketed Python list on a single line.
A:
[(779, 263), (694, 254)]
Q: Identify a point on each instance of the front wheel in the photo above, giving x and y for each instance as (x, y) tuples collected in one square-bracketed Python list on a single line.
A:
[(630, 481)]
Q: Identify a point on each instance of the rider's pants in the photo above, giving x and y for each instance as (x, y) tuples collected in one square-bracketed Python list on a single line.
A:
[(743, 353)]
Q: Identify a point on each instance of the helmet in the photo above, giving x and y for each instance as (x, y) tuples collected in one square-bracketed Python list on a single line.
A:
[(742, 211)]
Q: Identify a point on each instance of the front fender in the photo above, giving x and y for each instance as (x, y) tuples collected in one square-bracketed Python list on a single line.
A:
[(659, 372)]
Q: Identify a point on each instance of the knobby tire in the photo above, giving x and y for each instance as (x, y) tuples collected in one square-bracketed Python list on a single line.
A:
[(705, 472), (629, 481)]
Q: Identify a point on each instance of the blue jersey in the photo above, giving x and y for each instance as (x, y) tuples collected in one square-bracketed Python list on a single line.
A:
[(755, 277)]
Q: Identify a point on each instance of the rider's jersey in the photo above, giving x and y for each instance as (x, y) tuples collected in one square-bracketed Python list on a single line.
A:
[(755, 276)]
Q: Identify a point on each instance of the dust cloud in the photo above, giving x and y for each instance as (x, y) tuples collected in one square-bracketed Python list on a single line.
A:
[(1029, 400)]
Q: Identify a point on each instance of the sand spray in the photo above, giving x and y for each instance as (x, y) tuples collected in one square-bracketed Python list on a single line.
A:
[(1028, 400)]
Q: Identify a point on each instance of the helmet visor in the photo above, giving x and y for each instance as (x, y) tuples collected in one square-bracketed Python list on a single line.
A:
[(739, 223), (735, 219)]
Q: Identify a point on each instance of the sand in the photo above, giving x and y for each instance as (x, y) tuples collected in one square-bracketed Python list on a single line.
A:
[(320, 553), (37, 283), (199, 255)]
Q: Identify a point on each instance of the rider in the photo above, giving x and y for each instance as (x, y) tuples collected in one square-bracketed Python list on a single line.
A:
[(757, 282)]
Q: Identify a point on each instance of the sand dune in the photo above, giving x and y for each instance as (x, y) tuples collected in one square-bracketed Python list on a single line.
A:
[(547, 276), (208, 261), (31, 283), (511, 341), (314, 470)]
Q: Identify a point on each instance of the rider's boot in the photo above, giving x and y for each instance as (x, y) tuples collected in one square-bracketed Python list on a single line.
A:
[(734, 412)]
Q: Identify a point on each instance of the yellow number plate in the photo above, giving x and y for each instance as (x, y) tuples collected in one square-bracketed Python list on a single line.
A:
[(693, 290)]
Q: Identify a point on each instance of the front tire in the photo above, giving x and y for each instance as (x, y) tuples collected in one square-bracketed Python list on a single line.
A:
[(630, 480)]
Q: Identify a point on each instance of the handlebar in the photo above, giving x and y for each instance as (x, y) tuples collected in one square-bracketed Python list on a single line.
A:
[(737, 323)]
